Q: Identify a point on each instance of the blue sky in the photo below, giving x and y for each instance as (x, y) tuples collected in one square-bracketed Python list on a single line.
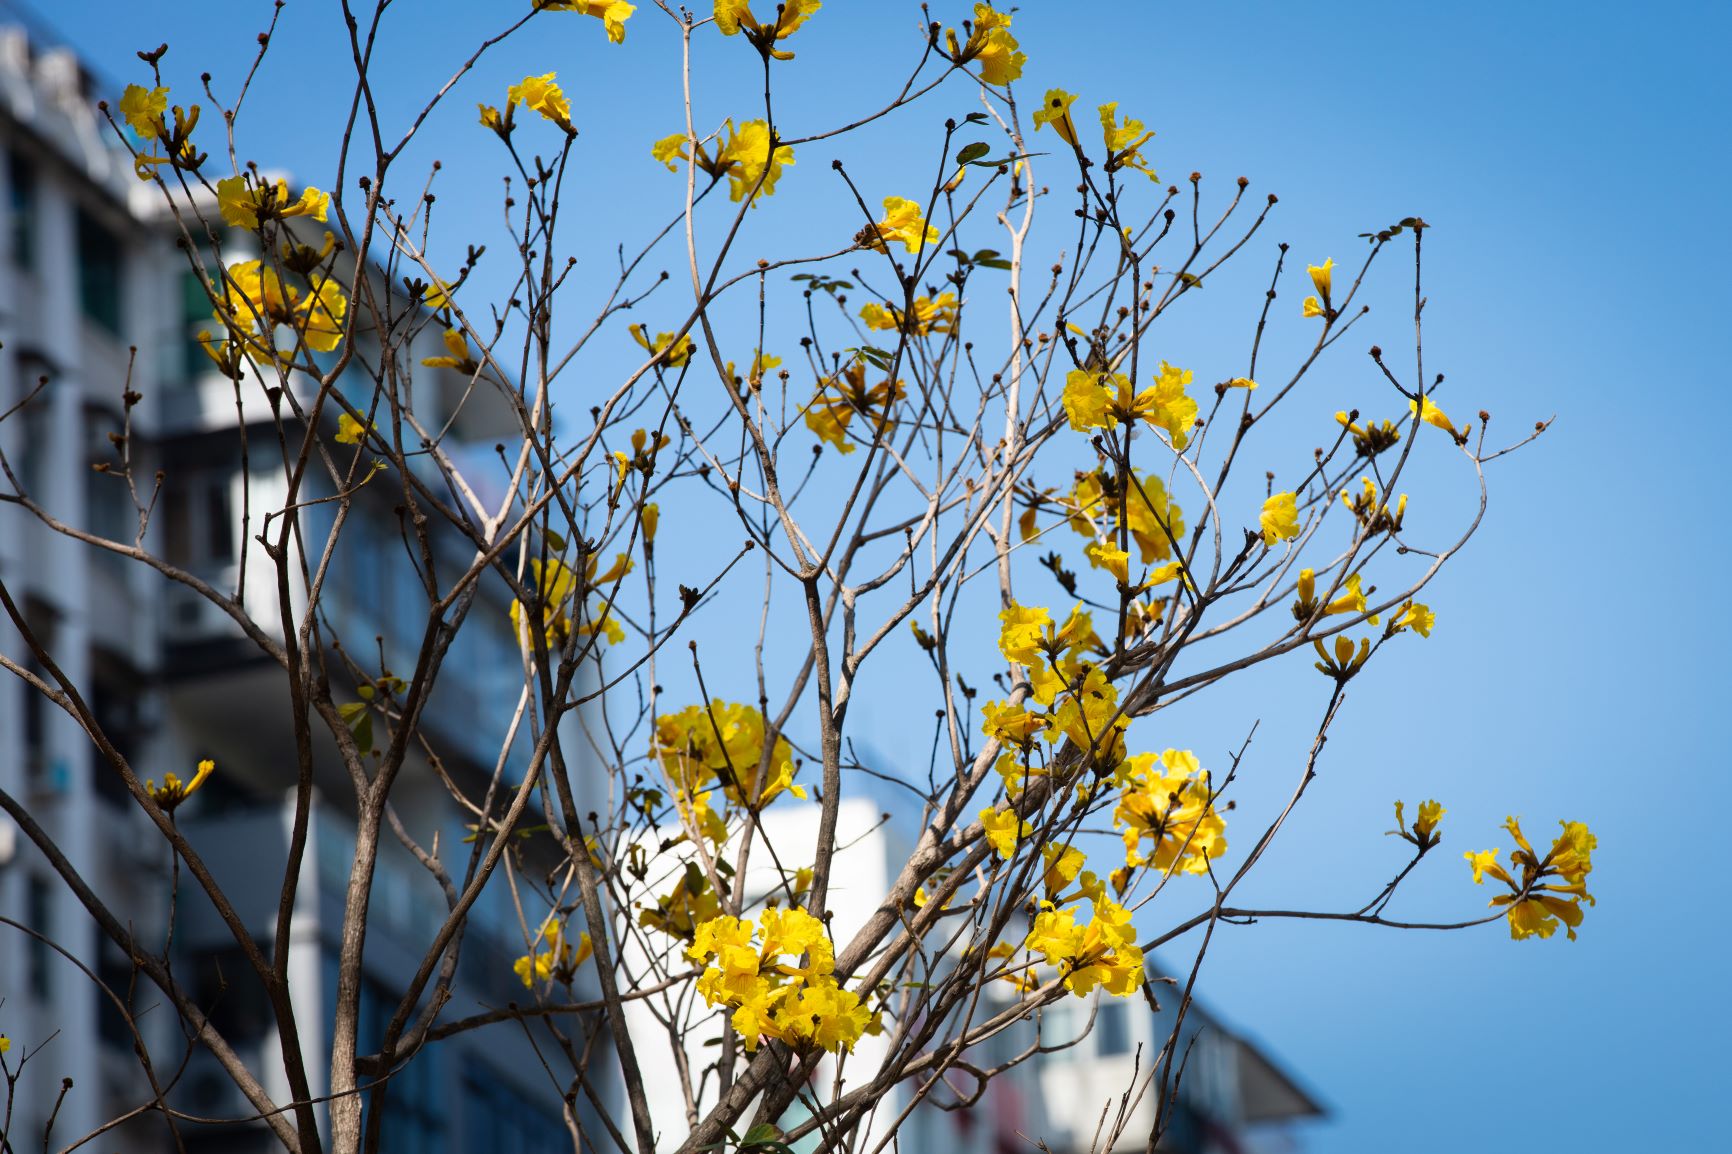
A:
[(1572, 161)]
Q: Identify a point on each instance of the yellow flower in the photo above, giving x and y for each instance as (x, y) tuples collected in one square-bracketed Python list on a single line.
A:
[(1536, 905), (1019, 637), (650, 516), (1166, 405), (460, 357), (5, 1043), (555, 584), (1321, 276), (558, 959), (612, 13), (1055, 110), (838, 398), (1100, 400), (991, 44), (929, 315), (1280, 518), (1166, 801), (1088, 398), (350, 431), (1011, 724), (1436, 417), (748, 155), (1351, 600), (673, 353), (1374, 516), (744, 156), (244, 202), (1423, 832), (1088, 715), (1312, 308), (1124, 142), (735, 16), (1153, 522), (1111, 558), (1417, 617), (902, 221), (1063, 863), (174, 791), (253, 302), (1003, 828), (724, 744), (1345, 662), (544, 96), (1369, 439), (143, 109)]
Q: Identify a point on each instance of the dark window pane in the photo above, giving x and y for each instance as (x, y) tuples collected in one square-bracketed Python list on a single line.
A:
[(99, 272), (23, 197)]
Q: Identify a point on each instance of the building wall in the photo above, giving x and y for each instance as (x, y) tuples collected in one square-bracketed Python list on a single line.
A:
[(87, 272)]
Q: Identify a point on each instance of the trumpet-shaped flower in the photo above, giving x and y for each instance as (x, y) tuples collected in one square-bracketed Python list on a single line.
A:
[(1279, 520), (612, 13), (902, 222), (929, 315), (244, 201), (1055, 110), (735, 16), (544, 96), (990, 45), (1124, 142), (1551, 889), (838, 398), (143, 110)]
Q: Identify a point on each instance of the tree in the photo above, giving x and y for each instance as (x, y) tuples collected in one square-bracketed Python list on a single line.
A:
[(986, 445)]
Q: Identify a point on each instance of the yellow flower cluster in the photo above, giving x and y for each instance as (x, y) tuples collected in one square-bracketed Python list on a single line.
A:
[(253, 302), (245, 201), (839, 397), (745, 156), (1166, 802), (735, 16), (929, 315), (758, 972), (557, 586), (1100, 400), (612, 13), (692, 901), (1423, 832), (555, 958), (1102, 952), (1094, 510), (723, 744), (990, 45), (1535, 905), (173, 790), (673, 353)]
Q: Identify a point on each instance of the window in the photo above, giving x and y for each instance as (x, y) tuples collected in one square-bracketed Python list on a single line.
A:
[(22, 194), (1112, 1028), (501, 1119), (39, 916), (195, 315), (198, 528), (100, 266)]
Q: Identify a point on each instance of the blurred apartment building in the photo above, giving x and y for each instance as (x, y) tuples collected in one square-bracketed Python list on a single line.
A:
[(95, 296)]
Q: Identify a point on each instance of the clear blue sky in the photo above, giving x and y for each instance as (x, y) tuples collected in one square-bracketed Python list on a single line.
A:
[(1573, 161)]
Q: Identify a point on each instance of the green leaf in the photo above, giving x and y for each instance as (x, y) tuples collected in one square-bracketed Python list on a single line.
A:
[(974, 118), (1001, 264), (972, 152), (761, 1133), (554, 541)]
